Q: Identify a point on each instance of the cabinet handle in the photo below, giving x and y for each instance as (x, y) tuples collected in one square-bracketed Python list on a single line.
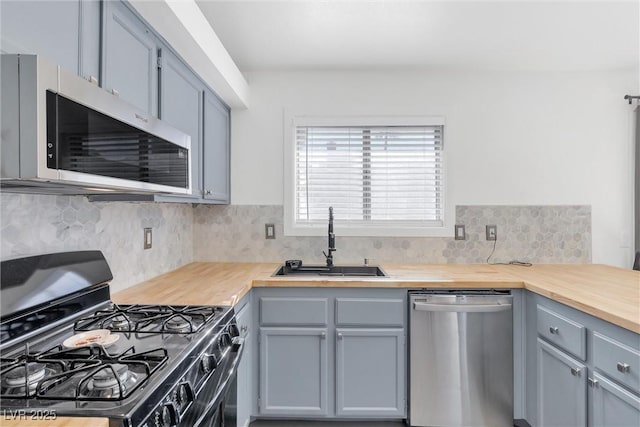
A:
[(553, 330), (115, 92), (244, 328), (576, 372), (323, 335), (93, 79), (623, 367), (207, 192), (340, 335), (592, 382)]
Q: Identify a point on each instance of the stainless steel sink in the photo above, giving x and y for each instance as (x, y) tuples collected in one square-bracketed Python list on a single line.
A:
[(334, 271)]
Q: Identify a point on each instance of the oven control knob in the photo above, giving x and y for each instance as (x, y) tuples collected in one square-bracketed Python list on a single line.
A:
[(168, 416), (184, 395), (208, 363), (233, 331)]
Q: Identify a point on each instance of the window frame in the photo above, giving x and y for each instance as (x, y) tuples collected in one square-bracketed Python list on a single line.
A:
[(291, 228)]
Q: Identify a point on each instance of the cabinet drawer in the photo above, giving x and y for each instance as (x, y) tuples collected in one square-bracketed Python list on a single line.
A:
[(369, 312), (293, 311), (563, 332), (617, 360)]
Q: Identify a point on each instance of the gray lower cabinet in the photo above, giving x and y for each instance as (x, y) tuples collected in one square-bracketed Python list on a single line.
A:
[(293, 371), (216, 151), (562, 388), (331, 353), (585, 371), (66, 33), (612, 405), (370, 366), (129, 57)]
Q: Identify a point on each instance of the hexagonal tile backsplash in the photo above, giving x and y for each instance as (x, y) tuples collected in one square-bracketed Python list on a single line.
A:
[(36, 224), (536, 234)]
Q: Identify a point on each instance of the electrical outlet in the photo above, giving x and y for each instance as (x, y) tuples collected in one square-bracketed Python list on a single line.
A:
[(148, 236), (269, 231), (492, 232), (460, 233)]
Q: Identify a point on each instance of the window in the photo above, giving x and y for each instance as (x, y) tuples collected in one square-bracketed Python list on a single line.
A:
[(379, 178)]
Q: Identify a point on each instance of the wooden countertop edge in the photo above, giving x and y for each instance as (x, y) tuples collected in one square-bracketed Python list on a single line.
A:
[(586, 308)]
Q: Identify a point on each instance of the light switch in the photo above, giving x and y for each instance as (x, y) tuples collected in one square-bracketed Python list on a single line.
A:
[(460, 233)]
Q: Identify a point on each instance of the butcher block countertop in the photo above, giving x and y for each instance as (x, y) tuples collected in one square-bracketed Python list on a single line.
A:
[(609, 293)]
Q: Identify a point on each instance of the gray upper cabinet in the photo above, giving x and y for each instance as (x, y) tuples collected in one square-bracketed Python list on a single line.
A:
[(370, 370), (67, 33), (181, 105), (129, 57), (216, 156), (562, 388), (612, 405), (293, 371)]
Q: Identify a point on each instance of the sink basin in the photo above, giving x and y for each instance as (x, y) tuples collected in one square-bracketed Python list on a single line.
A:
[(334, 271)]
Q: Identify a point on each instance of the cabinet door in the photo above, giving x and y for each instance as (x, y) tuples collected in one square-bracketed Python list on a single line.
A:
[(370, 383), (216, 149), (611, 405), (47, 28), (129, 57), (293, 371), (245, 369), (562, 388), (181, 95)]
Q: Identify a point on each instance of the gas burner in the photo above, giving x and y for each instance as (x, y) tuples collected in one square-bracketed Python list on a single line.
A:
[(29, 373), (120, 322), (110, 381), (178, 323)]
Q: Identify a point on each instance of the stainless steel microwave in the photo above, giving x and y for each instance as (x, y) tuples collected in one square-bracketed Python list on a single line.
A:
[(63, 134)]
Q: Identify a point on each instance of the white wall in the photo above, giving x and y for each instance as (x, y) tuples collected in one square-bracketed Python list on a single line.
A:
[(516, 138)]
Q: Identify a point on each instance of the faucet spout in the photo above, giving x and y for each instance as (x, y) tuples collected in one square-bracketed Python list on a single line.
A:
[(332, 240)]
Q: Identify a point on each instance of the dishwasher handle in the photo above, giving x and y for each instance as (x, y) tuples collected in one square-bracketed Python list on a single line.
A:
[(461, 308)]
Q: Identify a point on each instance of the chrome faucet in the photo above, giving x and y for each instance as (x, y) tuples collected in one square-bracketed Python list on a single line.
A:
[(332, 240)]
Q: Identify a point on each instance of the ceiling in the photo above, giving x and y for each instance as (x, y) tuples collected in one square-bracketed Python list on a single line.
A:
[(426, 34)]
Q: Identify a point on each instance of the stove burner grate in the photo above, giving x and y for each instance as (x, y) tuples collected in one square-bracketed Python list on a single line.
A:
[(150, 319)]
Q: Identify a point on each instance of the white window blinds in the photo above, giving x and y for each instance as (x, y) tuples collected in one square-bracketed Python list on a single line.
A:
[(371, 175)]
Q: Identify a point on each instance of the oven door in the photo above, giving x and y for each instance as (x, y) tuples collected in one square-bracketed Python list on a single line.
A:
[(215, 404)]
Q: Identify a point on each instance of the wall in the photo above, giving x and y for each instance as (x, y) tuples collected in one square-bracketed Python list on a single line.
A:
[(512, 138), (36, 224), (538, 234)]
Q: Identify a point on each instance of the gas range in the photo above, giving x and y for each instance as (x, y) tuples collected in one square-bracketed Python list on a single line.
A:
[(157, 366)]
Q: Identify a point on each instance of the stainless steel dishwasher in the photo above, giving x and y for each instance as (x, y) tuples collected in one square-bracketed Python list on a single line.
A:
[(461, 358)]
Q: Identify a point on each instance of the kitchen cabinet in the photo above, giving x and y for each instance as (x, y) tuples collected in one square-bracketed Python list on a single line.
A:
[(181, 105), (67, 33), (611, 404), (562, 388), (370, 369), (216, 150), (334, 353), (585, 371), (245, 391), (293, 371), (129, 57)]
